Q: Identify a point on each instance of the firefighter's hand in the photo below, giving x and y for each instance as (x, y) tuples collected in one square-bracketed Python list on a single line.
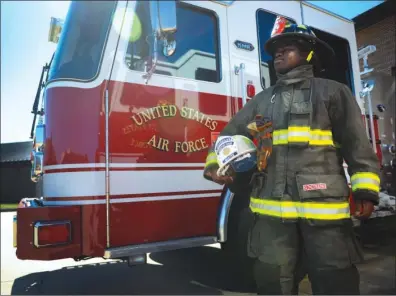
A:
[(364, 209), (227, 180), (220, 179)]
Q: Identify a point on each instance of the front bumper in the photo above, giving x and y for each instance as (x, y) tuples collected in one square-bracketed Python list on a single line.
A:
[(46, 232)]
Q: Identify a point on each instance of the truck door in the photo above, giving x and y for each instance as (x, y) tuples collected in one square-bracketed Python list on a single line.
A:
[(340, 35), (162, 120), (249, 25)]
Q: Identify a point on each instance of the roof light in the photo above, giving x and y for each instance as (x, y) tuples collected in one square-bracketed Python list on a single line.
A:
[(226, 3)]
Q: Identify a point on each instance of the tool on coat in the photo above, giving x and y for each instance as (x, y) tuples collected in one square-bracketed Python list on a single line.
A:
[(261, 128)]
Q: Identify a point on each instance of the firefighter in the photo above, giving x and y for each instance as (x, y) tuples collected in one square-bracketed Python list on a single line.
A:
[(300, 193)]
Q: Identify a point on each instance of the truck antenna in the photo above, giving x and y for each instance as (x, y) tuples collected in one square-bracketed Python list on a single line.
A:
[(302, 12)]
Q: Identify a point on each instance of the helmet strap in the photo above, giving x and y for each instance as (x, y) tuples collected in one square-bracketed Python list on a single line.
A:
[(309, 57)]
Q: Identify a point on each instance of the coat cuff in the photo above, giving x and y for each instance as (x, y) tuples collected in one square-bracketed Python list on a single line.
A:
[(362, 195), (365, 186)]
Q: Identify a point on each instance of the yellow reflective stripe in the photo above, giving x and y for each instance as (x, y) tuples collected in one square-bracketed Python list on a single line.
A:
[(211, 159), (273, 213), (279, 137), (312, 205), (272, 208), (366, 176), (367, 186), (369, 181), (297, 134), (299, 128), (305, 210), (292, 215), (280, 134), (334, 216), (316, 205)]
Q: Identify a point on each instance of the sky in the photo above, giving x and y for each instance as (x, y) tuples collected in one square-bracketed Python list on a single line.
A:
[(25, 50)]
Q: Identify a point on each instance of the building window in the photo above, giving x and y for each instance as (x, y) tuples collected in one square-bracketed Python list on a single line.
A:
[(393, 71), (265, 23), (197, 54)]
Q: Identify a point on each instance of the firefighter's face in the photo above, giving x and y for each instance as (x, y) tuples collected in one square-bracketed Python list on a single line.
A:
[(287, 57)]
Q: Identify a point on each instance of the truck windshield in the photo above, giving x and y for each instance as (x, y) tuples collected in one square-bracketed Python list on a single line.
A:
[(82, 41)]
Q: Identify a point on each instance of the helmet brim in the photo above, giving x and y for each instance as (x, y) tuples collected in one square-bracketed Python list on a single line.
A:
[(324, 50)]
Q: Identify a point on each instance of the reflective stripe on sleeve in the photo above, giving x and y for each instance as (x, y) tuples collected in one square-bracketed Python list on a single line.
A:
[(211, 159), (303, 134), (304, 210), (369, 181)]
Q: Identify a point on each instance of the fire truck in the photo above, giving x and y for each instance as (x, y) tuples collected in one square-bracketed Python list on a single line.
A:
[(133, 97)]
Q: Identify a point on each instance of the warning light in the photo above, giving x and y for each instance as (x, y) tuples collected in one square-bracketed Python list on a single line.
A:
[(250, 90), (52, 233)]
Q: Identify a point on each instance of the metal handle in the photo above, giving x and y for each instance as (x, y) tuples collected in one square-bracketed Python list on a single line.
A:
[(371, 117), (241, 70), (366, 92), (225, 208)]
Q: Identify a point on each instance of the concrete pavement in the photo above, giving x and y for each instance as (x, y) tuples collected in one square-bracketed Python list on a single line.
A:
[(200, 270), (193, 271)]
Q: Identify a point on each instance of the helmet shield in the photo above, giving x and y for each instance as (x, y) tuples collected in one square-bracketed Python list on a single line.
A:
[(244, 163), (235, 154)]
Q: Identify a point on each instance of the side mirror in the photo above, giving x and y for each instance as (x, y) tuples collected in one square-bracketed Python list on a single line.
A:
[(164, 22), (55, 30)]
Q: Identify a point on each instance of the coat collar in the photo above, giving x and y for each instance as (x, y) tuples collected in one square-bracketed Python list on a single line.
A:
[(298, 74)]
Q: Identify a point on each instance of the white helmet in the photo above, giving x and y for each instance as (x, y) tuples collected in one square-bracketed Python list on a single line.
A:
[(235, 152)]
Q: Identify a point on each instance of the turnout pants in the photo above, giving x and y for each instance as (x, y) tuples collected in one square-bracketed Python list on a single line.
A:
[(285, 252)]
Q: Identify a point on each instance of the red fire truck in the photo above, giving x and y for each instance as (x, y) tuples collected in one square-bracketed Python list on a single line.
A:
[(133, 97)]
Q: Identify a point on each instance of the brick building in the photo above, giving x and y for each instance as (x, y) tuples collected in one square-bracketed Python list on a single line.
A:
[(15, 167), (377, 26)]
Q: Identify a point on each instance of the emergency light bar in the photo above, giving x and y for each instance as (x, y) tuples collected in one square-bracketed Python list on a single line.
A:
[(55, 30)]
